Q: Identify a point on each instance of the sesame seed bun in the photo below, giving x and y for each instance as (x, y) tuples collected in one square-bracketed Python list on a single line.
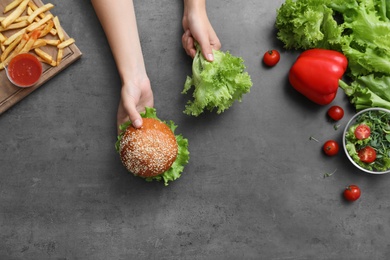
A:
[(150, 150)]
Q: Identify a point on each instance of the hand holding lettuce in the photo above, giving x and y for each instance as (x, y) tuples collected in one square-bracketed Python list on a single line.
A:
[(358, 29), (216, 84)]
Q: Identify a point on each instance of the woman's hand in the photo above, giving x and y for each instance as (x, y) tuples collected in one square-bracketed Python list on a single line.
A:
[(120, 25), (135, 96), (197, 28)]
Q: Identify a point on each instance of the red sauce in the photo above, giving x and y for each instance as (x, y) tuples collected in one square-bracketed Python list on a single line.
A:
[(24, 70)]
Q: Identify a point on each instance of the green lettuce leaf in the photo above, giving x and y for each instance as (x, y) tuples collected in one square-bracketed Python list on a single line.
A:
[(360, 29), (216, 84), (366, 35), (183, 154), (307, 24), (368, 91)]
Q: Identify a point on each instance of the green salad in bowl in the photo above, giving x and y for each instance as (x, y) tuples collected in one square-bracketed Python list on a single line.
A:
[(366, 140)]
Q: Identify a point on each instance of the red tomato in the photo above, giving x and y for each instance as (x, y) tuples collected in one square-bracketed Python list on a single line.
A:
[(336, 112), (331, 147), (367, 154), (271, 58), (352, 193), (362, 131)]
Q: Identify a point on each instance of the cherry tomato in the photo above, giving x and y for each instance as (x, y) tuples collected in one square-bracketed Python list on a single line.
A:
[(367, 154), (336, 112), (362, 131), (331, 147), (271, 58), (352, 193)]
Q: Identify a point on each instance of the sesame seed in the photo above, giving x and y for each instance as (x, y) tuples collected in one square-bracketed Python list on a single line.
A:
[(150, 150)]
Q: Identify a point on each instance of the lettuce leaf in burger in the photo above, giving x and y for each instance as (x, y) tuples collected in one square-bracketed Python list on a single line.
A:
[(153, 151)]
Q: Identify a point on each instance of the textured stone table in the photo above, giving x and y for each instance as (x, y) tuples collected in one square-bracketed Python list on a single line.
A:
[(254, 187)]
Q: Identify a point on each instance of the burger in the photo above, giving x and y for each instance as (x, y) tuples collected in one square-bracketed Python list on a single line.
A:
[(152, 152)]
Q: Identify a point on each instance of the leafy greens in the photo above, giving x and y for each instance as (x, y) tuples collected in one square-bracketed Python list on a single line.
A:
[(360, 29), (379, 123), (217, 84)]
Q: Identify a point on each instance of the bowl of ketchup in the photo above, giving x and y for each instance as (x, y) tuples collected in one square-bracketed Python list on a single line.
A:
[(24, 70)]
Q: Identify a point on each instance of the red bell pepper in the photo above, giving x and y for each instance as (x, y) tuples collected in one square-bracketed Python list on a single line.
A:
[(316, 74)]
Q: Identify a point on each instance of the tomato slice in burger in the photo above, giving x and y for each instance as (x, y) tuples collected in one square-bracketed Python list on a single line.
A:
[(367, 154), (362, 131)]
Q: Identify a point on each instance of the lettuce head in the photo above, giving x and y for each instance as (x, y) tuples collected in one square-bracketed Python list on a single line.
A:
[(217, 84)]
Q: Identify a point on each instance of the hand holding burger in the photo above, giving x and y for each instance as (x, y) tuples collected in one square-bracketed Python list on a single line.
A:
[(153, 151)]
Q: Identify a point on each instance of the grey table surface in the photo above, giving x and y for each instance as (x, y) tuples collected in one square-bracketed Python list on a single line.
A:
[(254, 187)]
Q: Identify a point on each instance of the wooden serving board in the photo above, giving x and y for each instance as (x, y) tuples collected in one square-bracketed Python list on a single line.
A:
[(9, 93)]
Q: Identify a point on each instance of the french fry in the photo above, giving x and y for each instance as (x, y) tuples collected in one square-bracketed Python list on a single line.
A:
[(14, 36), (49, 25), (36, 33), (21, 44), (28, 46), (14, 26), (44, 55), (52, 42), (35, 25), (58, 27), (17, 50), (60, 54), (19, 19), (2, 38), (15, 14), (53, 31), (38, 11), (12, 5), (39, 43), (10, 48), (34, 7), (40, 28), (53, 63), (2, 47), (29, 11), (65, 43)]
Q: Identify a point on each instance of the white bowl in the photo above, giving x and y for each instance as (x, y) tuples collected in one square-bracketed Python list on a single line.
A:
[(349, 124)]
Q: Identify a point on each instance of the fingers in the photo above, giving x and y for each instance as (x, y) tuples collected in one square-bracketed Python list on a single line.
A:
[(215, 42), (134, 116), (127, 111), (188, 43), (207, 44), (122, 117), (207, 51)]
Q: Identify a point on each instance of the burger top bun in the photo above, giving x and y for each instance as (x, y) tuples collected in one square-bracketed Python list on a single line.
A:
[(150, 150)]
